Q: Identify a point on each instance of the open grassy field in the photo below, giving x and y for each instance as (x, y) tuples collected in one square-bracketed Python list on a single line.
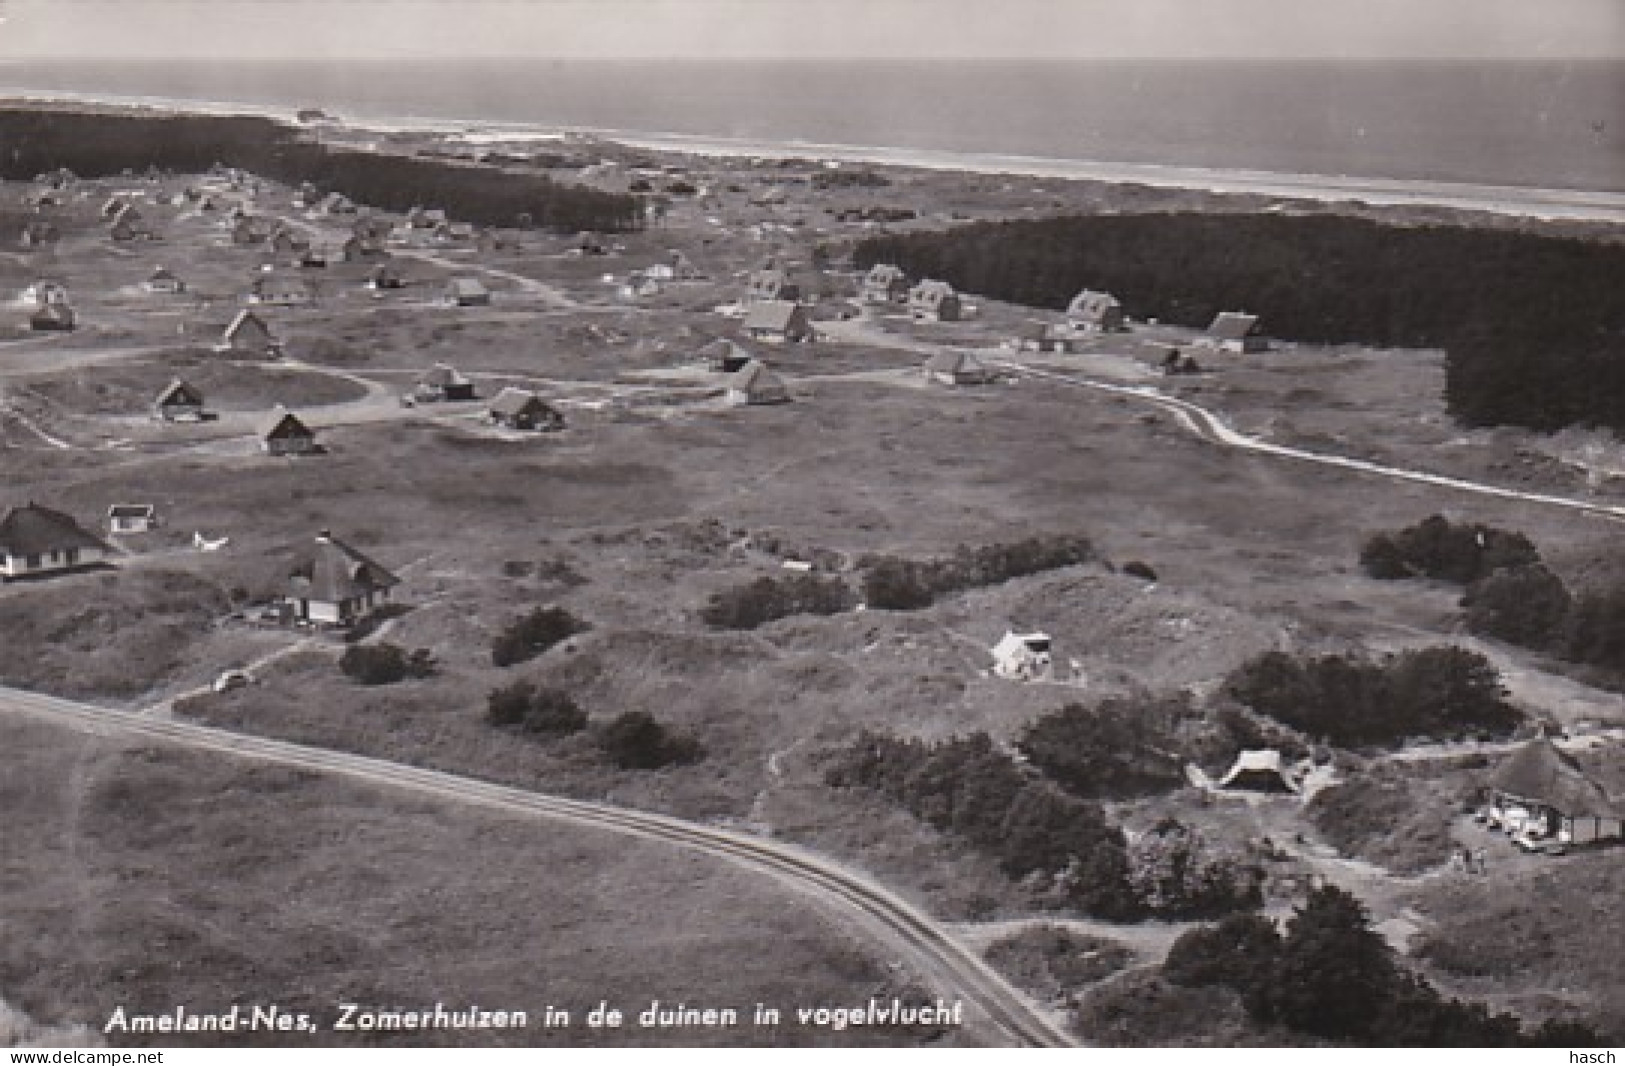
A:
[(149, 877)]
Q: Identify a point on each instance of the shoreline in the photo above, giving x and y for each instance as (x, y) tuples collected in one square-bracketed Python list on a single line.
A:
[(1549, 204)]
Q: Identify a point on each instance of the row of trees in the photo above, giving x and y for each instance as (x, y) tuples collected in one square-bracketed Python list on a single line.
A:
[(1533, 325), (100, 145), (1332, 976), (1443, 692), (1061, 844), (899, 584)]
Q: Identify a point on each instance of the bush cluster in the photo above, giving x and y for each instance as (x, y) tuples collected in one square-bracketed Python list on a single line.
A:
[(531, 634), (536, 710), (1332, 976), (1441, 693), (896, 584), (384, 663), (1116, 750), (767, 599), (637, 741), (1445, 551)]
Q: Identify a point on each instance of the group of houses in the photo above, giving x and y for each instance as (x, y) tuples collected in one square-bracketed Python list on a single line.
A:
[(926, 301)]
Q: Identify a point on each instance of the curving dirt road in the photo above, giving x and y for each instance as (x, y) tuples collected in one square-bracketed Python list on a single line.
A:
[(940, 959)]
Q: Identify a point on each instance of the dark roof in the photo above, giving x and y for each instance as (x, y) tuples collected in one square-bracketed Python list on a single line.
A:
[(336, 571), (282, 423), (1539, 772), (247, 320), (754, 379), (35, 530), (511, 401), (131, 510), (179, 391)]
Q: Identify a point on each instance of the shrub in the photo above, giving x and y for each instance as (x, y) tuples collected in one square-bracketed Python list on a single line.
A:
[(1524, 605), (1115, 750), (894, 584), (1440, 549), (1175, 874), (1239, 953), (1594, 633), (537, 710), (636, 741), (1135, 568), (385, 664), (767, 599), (1441, 692), (530, 635)]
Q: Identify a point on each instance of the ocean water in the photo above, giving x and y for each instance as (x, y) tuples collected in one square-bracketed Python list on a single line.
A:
[(1540, 124)]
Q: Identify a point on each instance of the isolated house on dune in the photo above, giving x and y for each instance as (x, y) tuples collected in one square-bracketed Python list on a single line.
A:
[(1022, 656), (162, 280), (771, 284), (282, 433), (36, 541), (281, 290), (521, 409), (1235, 331), (249, 334), (179, 402), (443, 382), (467, 292), (724, 355), (52, 317), (754, 383), (126, 518), (1542, 792), (1261, 771), (336, 584)]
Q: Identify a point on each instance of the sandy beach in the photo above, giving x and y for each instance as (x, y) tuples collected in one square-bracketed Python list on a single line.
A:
[(1531, 202)]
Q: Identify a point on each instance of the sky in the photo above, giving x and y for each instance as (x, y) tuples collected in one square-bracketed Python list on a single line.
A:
[(1181, 29)]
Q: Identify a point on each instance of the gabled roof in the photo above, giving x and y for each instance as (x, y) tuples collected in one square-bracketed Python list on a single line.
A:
[(755, 379), (771, 314), (930, 292), (281, 424), (179, 391), (247, 322), (467, 287), (35, 530), (335, 571), (511, 401), (440, 376), (1256, 768), (1091, 304), (1539, 772), (723, 350), (955, 362), (1233, 326)]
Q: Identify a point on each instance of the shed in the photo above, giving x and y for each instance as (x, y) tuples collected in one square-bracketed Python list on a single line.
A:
[(467, 292), (131, 518)]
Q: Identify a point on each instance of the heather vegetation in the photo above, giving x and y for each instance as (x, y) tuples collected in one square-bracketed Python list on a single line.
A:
[(1331, 976), (535, 710), (898, 584), (636, 740), (1543, 363), (1117, 749), (385, 663), (767, 599), (1445, 551), (531, 634), (1441, 692)]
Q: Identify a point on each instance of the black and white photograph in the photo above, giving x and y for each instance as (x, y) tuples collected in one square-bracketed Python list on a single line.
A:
[(784, 524)]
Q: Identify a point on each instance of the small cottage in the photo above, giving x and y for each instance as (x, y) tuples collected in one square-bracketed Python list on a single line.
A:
[(1094, 312), (753, 384), (1262, 770), (467, 292), (249, 334), (282, 433), (164, 281), (957, 368), (885, 284), (281, 290), (1046, 337), (521, 409), (442, 382), (52, 317), (778, 322), (126, 518), (1022, 656), (1235, 331), (725, 356), (36, 541), (934, 301), (179, 402), (336, 585)]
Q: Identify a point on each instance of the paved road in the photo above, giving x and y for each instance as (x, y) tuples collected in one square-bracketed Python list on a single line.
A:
[(940, 959)]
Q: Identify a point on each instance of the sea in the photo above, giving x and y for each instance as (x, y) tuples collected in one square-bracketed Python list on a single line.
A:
[(1534, 124)]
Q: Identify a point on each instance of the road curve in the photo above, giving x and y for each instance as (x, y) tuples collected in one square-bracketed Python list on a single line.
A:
[(935, 953), (1210, 427)]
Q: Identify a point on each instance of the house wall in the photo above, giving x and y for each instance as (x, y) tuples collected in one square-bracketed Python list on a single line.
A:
[(25, 565)]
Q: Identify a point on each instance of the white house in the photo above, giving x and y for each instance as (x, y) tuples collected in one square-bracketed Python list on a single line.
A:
[(337, 585), (1022, 656), (35, 541)]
